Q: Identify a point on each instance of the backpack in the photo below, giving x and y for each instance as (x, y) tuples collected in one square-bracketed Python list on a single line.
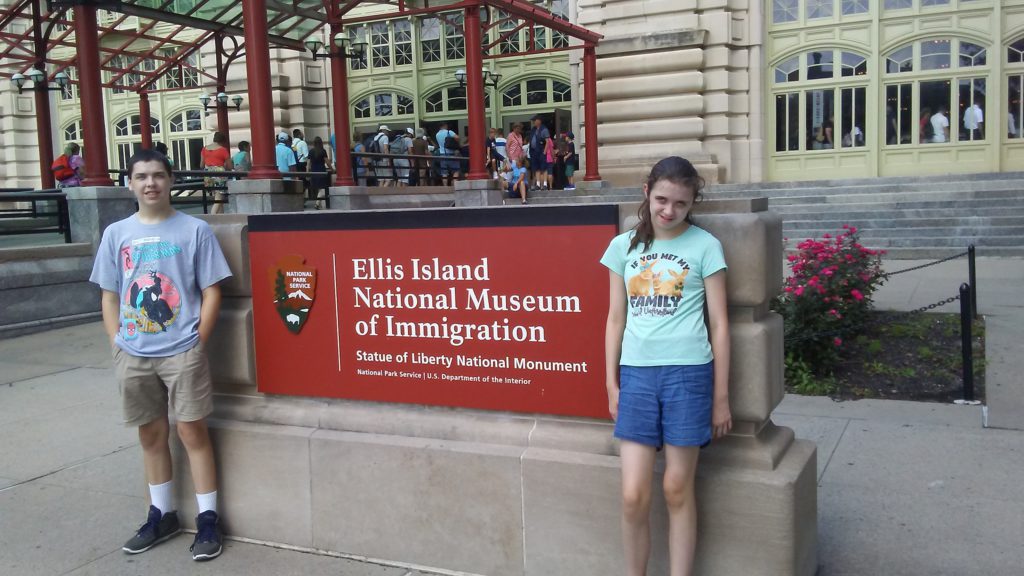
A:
[(929, 129), (399, 146), (451, 143), (373, 146), (61, 168)]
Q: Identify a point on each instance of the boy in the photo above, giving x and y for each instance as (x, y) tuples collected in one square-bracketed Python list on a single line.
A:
[(159, 270)]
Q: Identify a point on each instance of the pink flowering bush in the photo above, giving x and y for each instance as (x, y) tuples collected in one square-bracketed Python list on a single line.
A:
[(826, 299)]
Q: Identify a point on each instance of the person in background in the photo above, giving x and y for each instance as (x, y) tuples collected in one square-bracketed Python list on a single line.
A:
[(162, 148), (243, 158), (215, 157), (572, 160), (516, 178), (69, 167), (514, 144), (940, 126), (319, 163), (284, 154), (539, 138), (420, 147), (301, 150)]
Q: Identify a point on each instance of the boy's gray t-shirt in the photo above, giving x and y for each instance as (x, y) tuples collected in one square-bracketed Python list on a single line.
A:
[(159, 272)]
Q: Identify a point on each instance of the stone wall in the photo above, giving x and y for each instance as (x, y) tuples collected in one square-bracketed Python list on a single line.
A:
[(677, 77), (501, 493), (45, 287)]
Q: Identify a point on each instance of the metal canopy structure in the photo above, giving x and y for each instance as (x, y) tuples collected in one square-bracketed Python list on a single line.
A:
[(131, 48)]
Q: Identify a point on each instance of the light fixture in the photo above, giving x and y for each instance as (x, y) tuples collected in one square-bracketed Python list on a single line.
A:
[(38, 78), (204, 99), (490, 78), (346, 48), (237, 101), (222, 98)]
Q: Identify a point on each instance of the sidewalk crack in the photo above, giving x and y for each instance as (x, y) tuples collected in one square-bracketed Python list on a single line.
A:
[(833, 452)]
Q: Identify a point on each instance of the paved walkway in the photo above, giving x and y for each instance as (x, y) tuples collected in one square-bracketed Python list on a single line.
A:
[(904, 488)]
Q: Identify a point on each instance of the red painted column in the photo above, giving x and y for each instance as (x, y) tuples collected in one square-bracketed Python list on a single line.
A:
[(342, 130), (261, 112), (475, 94), (44, 130), (590, 112), (222, 75), (90, 93), (145, 121)]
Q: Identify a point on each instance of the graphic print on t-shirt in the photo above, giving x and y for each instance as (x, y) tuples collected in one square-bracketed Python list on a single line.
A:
[(151, 302), (655, 284)]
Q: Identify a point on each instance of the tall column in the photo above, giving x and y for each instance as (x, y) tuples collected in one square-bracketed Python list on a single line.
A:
[(342, 130), (145, 121), (590, 112), (43, 130), (261, 112), (222, 75), (42, 100), (475, 94), (90, 93)]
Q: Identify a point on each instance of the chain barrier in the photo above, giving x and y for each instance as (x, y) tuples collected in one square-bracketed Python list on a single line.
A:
[(890, 319), (911, 269)]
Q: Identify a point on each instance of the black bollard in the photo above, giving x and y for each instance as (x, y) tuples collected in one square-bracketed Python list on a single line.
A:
[(973, 281), (966, 344)]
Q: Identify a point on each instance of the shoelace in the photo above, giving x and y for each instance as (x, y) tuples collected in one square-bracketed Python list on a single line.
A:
[(206, 532), (152, 524)]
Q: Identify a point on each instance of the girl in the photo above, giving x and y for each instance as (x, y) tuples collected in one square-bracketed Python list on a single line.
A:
[(667, 386), (318, 162), (215, 157)]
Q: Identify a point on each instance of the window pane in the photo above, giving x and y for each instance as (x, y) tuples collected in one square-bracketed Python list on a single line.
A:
[(193, 120), (1015, 52), (784, 11), (934, 54), (854, 64), (405, 105), (357, 34), (819, 65), (560, 91), (820, 119), (71, 132), (456, 98), (154, 125), (934, 121), (454, 42), (934, 2), (536, 92), (403, 42), (512, 96), (900, 60), (898, 4), (972, 109), (540, 37), (852, 121), (435, 102), (971, 55), (362, 108), (819, 9), (382, 105), (787, 118), (1014, 116), (121, 127), (854, 7), (899, 116), (788, 71), (381, 45)]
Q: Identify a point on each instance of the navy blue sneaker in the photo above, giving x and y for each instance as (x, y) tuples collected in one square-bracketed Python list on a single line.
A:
[(156, 529), (207, 544)]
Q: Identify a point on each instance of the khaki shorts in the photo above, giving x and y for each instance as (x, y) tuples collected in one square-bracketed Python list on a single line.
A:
[(149, 385)]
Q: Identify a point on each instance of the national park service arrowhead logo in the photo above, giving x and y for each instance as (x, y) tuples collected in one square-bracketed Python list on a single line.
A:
[(293, 285)]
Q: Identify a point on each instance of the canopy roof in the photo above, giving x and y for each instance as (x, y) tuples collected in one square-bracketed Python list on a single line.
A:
[(135, 55)]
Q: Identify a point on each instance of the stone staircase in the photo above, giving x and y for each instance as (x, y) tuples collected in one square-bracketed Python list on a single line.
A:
[(915, 217)]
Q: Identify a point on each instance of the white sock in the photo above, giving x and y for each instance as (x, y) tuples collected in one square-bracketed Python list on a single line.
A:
[(207, 501), (162, 496)]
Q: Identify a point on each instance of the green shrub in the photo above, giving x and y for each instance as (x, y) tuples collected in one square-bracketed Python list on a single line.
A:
[(826, 299)]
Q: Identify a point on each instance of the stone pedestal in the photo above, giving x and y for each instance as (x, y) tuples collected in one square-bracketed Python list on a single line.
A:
[(93, 208), (486, 192), (378, 198), (583, 185), (498, 493), (263, 196)]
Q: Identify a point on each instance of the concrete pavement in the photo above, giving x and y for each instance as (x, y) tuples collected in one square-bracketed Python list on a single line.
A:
[(904, 488)]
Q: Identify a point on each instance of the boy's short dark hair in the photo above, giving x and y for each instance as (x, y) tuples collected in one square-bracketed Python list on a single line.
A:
[(146, 155)]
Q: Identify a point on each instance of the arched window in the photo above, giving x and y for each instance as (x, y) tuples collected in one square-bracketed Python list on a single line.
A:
[(383, 105), (948, 76), (537, 91), (187, 121), (186, 140), (73, 132), (820, 101), (1015, 89)]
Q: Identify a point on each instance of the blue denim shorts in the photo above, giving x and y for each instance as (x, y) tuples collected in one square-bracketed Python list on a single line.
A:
[(665, 404)]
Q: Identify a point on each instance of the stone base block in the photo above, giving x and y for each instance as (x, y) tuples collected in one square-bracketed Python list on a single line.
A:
[(584, 185), (484, 192), (231, 346), (524, 508), (264, 196), (390, 197), (91, 209)]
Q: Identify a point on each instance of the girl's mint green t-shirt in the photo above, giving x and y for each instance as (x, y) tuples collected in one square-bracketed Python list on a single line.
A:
[(665, 290)]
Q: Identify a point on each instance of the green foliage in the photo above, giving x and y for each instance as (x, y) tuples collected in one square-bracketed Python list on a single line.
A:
[(826, 299), (801, 379)]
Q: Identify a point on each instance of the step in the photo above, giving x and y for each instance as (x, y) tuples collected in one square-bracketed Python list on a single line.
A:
[(881, 210), (897, 180), (899, 220), (830, 208), (881, 188), (1010, 195), (936, 252), (868, 235)]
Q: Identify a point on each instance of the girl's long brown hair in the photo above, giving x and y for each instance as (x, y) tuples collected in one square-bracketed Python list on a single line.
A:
[(678, 171)]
